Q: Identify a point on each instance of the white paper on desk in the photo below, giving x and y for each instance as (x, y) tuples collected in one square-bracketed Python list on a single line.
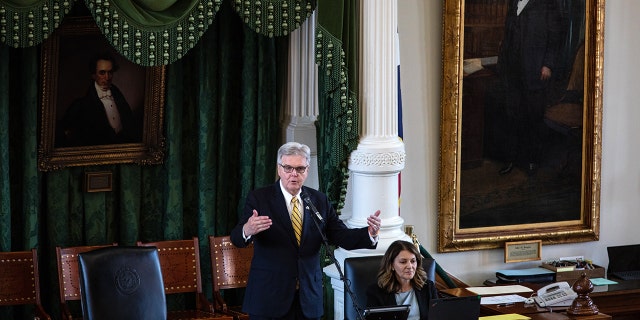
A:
[(601, 281), (495, 290), (508, 316), (509, 298)]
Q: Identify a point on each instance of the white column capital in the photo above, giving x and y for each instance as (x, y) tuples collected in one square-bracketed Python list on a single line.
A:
[(380, 161)]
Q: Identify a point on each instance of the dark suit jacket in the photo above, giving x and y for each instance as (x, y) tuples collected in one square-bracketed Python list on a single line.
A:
[(85, 122), (532, 40), (378, 297), (278, 263)]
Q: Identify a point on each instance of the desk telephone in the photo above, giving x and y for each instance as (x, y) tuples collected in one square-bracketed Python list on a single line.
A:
[(555, 294)]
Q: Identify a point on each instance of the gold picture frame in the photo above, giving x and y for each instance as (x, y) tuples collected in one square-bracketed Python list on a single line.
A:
[(66, 78), (455, 233)]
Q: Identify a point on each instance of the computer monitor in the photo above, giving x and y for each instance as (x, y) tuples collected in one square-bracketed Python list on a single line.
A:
[(624, 261), (400, 312), (455, 308)]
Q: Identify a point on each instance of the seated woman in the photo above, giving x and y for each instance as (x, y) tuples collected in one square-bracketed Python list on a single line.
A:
[(402, 280)]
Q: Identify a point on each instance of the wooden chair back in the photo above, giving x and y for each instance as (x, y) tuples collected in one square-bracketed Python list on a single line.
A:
[(69, 277), (180, 264), (229, 270), (20, 281)]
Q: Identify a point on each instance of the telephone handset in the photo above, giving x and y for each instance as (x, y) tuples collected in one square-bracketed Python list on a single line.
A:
[(555, 294)]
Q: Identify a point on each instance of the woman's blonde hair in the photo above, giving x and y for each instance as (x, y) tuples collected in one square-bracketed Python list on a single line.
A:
[(387, 276)]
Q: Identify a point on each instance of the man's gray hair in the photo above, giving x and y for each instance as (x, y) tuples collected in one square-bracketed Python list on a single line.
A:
[(294, 149)]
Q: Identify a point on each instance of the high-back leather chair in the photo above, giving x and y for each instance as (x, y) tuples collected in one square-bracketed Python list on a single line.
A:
[(69, 278), (180, 262), (20, 284), (229, 270), (361, 272), (122, 283)]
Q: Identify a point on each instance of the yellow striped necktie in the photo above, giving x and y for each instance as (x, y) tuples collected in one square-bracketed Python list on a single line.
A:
[(296, 219)]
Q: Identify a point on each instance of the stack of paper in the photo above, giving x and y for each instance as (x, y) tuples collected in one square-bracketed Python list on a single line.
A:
[(509, 316), (496, 290)]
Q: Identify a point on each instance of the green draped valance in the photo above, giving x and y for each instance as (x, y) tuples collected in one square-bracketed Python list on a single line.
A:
[(148, 32), (26, 23)]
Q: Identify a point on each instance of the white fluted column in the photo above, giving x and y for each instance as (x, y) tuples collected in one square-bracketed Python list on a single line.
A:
[(376, 164), (380, 156), (301, 108)]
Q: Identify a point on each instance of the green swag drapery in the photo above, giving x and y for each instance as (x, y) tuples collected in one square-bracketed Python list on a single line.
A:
[(148, 32), (222, 133)]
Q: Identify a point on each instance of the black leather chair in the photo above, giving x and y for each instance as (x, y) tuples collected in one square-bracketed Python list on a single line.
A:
[(122, 283), (361, 272)]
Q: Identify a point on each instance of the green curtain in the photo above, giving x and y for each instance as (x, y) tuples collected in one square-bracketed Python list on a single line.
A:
[(19, 179), (5, 181), (338, 121), (222, 130), (20, 216)]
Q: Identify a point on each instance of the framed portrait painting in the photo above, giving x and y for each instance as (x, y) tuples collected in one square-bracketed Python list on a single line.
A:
[(97, 107), (521, 122)]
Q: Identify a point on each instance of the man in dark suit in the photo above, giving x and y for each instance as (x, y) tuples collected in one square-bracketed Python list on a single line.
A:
[(285, 280), (103, 115), (528, 56)]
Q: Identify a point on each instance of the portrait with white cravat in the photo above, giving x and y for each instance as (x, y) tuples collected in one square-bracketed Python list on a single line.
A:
[(103, 115)]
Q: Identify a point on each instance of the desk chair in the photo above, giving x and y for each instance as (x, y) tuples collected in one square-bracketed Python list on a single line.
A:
[(180, 263), (69, 278), (122, 283), (229, 270), (361, 272), (566, 115), (20, 282)]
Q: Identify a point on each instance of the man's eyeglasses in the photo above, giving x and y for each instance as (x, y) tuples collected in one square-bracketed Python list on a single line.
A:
[(289, 169)]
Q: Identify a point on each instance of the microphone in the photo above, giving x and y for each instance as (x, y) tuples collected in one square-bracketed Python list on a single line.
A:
[(305, 198)]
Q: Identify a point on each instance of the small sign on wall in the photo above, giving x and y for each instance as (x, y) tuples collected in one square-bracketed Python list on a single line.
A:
[(98, 181), (522, 251)]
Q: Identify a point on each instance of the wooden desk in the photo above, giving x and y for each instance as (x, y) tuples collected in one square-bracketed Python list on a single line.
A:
[(493, 309), (563, 316), (621, 301), (535, 312)]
